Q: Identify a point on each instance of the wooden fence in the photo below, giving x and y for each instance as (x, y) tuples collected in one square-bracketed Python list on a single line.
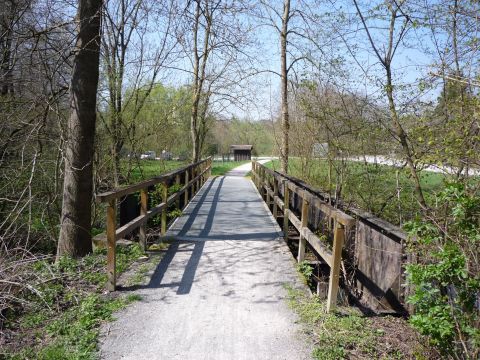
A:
[(373, 248), (192, 177), (275, 189)]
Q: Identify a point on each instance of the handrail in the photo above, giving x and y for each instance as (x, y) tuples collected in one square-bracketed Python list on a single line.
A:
[(198, 172), (262, 178), (116, 193)]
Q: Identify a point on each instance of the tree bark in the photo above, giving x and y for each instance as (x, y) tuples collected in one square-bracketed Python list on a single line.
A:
[(199, 69), (284, 88), (75, 231)]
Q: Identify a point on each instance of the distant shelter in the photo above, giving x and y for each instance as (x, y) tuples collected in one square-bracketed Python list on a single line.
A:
[(241, 152)]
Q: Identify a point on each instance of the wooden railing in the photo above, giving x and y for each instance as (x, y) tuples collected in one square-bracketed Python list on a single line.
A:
[(194, 176), (271, 185)]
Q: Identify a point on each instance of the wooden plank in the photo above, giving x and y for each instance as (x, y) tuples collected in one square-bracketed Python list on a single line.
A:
[(164, 211), (329, 210), (332, 212), (275, 198), (294, 220), (279, 202), (304, 224), (185, 199), (143, 212), (177, 182), (285, 209), (268, 191), (338, 240), (318, 245), (111, 237), (138, 221)]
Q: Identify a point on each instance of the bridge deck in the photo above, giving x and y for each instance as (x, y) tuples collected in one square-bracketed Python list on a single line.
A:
[(218, 293)]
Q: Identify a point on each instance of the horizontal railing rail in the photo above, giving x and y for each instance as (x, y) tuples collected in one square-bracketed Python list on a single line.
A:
[(269, 183), (194, 176)]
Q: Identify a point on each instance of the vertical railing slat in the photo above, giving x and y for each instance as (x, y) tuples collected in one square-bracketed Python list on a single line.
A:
[(338, 240), (303, 242), (111, 240), (143, 211)]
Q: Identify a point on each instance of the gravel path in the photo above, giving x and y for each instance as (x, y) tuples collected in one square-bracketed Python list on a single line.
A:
[(219, 291)]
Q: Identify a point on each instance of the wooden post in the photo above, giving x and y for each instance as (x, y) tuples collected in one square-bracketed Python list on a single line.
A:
[(111, 237), (262, 184), (177, 182), (254, 174), (267, 194), (338, 240), (275, 196), (164, 211), (302, 242), (198, 171), (143, 211), (286, 204), (185, 199)]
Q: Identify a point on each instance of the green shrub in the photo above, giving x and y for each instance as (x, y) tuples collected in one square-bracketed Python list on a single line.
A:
[(446, 279)]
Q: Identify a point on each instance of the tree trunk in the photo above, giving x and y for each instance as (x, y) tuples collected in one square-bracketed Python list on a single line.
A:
[(75, 231), (194, 134), (284, 88), (402, 136), (6, 23)]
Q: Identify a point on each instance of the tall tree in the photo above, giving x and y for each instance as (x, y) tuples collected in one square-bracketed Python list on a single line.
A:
[(284, 86), (132, 62), (394, 13), (75, 226), (214, 38)]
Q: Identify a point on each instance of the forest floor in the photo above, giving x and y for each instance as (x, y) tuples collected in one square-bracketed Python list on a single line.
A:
[(61, 317)]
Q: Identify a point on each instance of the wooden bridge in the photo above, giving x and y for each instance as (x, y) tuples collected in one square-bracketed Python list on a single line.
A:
[(220, 286)]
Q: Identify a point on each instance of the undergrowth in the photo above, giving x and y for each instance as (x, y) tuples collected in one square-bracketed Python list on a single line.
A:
[(61, 318), (348, 334)]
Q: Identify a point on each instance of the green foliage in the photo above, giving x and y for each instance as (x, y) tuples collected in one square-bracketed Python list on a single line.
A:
[(76, 330), (306, 270), (67, 308), (446, 281), (174, 213)]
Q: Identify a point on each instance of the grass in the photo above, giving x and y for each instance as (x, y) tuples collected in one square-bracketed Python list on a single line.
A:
[(146, 169), (62, 318), (383, 190), (222, 167), (347, 334)]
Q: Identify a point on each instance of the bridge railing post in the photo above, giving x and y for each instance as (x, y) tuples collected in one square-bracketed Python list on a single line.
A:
[(304, 218), (178, 183), (164, 211), (143, 211), (253, 171), (267, 193), (185, 195), (275, 197), (338, 240), (111, 243), (262, 186), (286, 204)]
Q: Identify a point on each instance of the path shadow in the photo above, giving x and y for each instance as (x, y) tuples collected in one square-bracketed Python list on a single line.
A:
[(196, 248), (211, 213)]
